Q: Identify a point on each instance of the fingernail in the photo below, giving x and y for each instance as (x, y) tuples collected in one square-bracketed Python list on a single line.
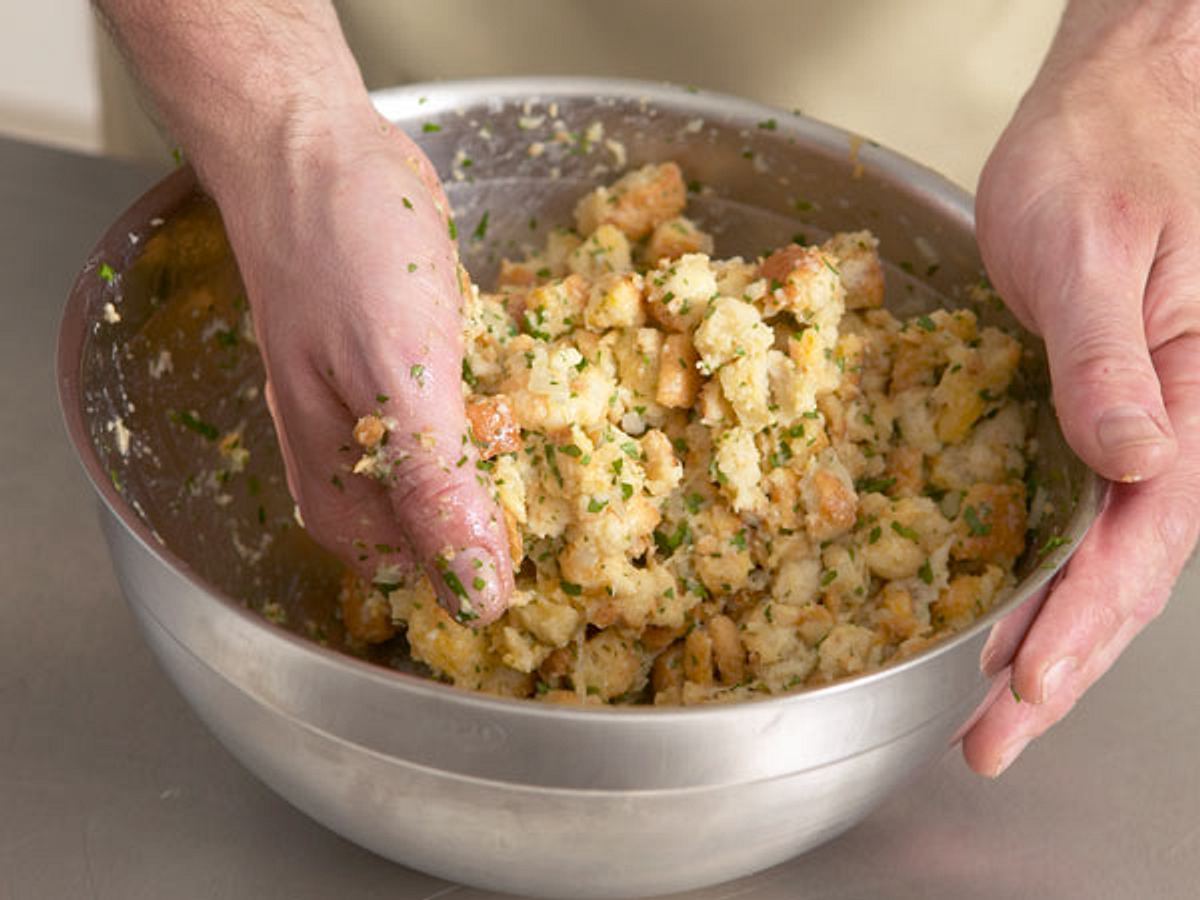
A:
[(1009, 755), (467, 585), (1125, 427), (1055, 677)]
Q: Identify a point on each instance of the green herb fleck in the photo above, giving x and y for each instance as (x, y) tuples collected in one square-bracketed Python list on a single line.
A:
[(453, 581), (467, 375), (667, 544), (977, 527), (1053, 544), (874, 485), (191, 421), (480, 231), (552, 463)]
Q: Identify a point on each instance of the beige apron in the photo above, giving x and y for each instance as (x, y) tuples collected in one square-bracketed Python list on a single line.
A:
[(935, 79)]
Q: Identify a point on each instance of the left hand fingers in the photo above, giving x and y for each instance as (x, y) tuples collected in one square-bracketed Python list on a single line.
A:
[(1118, 580)]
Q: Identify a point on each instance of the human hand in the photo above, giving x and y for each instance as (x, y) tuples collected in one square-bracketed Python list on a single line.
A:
[(1087, 212), (340, 228), (353, 280)]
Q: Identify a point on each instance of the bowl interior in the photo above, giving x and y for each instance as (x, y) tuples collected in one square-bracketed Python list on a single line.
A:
[(167, 366)]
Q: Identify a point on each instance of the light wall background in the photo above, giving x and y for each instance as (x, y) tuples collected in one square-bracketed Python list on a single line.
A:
[(48, 83), (956, 70)]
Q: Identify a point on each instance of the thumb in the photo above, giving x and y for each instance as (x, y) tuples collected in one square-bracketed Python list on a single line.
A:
[(1106, 392), (441, 503), (452, 525)]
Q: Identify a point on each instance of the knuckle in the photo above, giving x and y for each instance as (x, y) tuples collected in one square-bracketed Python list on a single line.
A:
[(1175, 528), (1102, 353), (422, 481), (1105, 617), (432, 496)]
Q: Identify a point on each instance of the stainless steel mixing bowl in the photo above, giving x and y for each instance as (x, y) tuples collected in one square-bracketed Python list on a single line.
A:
[(510, 795)]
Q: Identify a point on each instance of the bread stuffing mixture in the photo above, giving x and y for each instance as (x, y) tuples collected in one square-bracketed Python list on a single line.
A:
[(721, 478)]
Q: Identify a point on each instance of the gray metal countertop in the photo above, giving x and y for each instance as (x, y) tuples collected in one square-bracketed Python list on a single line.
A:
[(111, 788)]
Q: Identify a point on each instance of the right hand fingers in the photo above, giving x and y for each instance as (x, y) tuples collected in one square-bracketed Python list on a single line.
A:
[(1106, 391), (1118, 581)]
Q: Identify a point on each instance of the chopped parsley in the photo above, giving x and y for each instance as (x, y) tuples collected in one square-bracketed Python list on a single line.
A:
[(977, 527), (480, 231), (193, 423), (552, 463), (667, 544), (874, 485), (467, 375), (1053, 544)]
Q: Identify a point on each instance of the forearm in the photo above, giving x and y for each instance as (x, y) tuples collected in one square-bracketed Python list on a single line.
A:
[(241, 84), (1122, 30)]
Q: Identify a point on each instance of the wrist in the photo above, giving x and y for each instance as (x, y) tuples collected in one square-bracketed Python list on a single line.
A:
[(283, 143), (243, 86)]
